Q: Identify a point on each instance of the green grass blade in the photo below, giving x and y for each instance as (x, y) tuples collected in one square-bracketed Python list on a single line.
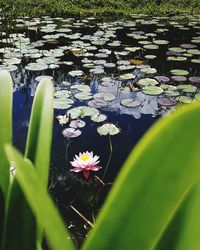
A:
[(40, 202), (5, 137), (38, 146), (152, 184)]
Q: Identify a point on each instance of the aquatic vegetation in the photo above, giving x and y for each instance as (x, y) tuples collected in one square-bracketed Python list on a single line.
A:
[(85, 162)]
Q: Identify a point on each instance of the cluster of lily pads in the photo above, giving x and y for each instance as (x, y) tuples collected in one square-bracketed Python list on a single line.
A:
[(107, 65)]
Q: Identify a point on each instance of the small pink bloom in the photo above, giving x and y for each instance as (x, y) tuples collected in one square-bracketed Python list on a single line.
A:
[(85, 162)]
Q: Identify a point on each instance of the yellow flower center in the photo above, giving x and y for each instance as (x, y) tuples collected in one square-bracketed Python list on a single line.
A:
[(85, 157)]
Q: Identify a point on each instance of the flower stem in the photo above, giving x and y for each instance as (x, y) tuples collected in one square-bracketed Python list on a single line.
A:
[(109, 159), (66, 150)]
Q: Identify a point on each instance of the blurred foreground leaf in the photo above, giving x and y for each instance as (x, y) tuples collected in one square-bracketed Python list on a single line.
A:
[(155, 179), (21, 231), (5, 137), (40, 202)]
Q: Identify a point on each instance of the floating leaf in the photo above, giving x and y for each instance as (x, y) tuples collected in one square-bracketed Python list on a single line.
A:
[(108, 129), (83, 96), (98, 118), (147, 82), (152, 90), (71, 133), (77, 124), (184, 99), (130, 103), (166, 102), (97, 103), (104, 96), (187, 88), (127, 76), (179, 72)]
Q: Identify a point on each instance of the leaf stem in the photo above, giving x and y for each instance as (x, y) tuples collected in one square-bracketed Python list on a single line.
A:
[(109, 159)]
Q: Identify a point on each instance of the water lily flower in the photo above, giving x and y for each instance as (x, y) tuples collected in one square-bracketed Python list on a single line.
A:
[(85, 162)]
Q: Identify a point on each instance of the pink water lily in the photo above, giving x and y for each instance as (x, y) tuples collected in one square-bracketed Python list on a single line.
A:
[(85, 162)]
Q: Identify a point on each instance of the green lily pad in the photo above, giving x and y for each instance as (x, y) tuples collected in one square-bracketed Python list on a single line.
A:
[(98, 118), (130, 103), (63, 103), (108, 129), (104, 96), (177, 49), (177, 58), (149, 70), (75, 73), (184, 99), (81, 87), (83, 96), (151, 46), (179, 72), (62, 94), (194, 51), (152, 90), (187, 88), (88, 111), (147, 82), (197, 97), (127, 76)]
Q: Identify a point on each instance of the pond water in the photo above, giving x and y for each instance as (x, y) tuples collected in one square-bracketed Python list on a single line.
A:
[(122, 72)]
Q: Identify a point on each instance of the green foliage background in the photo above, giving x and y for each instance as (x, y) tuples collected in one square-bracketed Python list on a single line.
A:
[(62, 7)]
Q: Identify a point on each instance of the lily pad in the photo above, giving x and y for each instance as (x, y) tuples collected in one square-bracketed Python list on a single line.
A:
[(81, 87), (179, 72), (97, 103), (77, 124), (98, 118), (76, 73), (184, 99), (147, 82), (130, 103), (127, 76), (83, 96), (71, 133), (166, 102), (187, 88), (152, 90), (105, 96), (108, 129)]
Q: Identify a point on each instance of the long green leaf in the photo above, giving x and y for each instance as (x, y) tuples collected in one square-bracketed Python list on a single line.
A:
[(189, 235), (5, 137), (40, 202), (21, 225), (38, 146), (154, 180)]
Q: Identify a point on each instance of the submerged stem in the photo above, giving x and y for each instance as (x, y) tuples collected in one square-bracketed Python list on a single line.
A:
[(66, 150), (109, 159), (82, 216)]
